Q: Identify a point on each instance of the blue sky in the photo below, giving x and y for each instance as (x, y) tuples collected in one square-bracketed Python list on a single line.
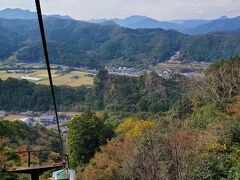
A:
[(159, 9)]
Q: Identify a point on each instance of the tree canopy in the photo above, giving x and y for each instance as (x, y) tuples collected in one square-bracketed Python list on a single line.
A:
[(86, 133)]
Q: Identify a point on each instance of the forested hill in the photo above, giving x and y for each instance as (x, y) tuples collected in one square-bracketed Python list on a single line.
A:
[(147, 93), (77, 43)]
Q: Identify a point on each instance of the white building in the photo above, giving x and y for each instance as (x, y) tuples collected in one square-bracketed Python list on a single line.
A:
[(3, 114), (28, 121), (31, 78)]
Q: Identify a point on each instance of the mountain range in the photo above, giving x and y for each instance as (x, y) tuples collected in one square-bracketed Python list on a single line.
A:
[(83, 44), (191, 27), (93, 45), (186, 26), (24, 14)]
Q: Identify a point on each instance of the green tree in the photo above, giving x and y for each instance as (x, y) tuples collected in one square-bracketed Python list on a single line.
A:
[(86, 133), (100, 85)]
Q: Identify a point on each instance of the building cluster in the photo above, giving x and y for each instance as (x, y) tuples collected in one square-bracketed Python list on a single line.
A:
[(32, 118), (167, 73), (163, 72), (61, 71), (125, 71), (20, 71), (177, 58), (29, 78)]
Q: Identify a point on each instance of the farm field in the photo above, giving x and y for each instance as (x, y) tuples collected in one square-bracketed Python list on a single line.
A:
[(74, 78), (14, 117), (67, 79)]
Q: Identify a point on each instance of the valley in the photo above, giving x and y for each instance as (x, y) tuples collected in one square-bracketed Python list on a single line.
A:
[(136, 98), (93, 46)]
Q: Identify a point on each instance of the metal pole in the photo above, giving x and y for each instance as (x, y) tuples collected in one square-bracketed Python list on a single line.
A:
[(29, 160), (44, 43)]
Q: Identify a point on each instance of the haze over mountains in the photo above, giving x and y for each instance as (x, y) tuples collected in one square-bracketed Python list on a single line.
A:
[(187, 26), (192, 26), (78, 43), (24, 14)]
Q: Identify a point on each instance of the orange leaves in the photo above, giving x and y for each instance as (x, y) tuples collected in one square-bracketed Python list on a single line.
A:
[(22, 149), (184, 140), (235, 107), (106, 163)]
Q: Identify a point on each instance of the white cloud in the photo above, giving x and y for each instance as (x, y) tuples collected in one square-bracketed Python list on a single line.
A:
[(160, 9)]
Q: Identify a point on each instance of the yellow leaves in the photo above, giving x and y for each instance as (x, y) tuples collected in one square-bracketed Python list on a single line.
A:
[(125, 125), (209, 140), (216, 146), (224, 146), (133, 127), (236, 149)]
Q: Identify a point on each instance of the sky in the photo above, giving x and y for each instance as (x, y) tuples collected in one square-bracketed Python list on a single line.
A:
[(158, 9)]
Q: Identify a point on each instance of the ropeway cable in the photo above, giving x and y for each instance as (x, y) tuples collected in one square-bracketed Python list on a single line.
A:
[(44, 43)]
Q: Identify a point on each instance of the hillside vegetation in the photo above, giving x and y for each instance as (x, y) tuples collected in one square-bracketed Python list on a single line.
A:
[(17, 136), (76, 43), (149, 127), (188, 26), (147, 93), (197, 139)]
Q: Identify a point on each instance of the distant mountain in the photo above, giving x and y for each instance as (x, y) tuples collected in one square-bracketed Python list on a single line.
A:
[(17, 14), (136, 22), (191, 23), (109, 23), (24, 14), (192, 26), (130, 20), (145, 22), (186, 26), (220, 25), (82, 44), (59, 16), (99, 20), (223, 17)]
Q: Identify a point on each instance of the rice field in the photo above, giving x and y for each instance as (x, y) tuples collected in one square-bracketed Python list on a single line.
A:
[(74, 78)]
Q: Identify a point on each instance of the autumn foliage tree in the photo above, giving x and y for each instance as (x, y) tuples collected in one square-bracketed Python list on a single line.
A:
[(197, 139), (221, 81), (112, 162)]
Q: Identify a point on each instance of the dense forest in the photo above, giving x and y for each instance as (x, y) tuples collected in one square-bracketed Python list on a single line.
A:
[(76, 43), (147, 93), (198, 138), (21, 95)]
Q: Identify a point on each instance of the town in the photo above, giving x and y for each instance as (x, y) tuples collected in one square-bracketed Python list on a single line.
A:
[(169, 69), (31, 118)]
